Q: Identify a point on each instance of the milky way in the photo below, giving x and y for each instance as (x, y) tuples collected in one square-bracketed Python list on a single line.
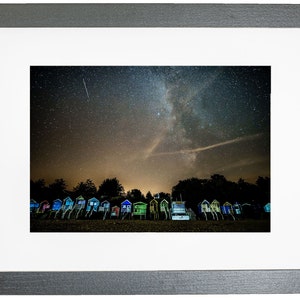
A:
[(149, 126)]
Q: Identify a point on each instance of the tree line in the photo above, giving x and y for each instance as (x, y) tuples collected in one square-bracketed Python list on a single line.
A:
[(191, 190)]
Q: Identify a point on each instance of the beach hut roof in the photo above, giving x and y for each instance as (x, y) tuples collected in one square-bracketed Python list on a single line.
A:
[(267, 207), (126, 202), (140, 203), (215, 201), (67, 199), (80, 198), (93, 199), (153, 200)]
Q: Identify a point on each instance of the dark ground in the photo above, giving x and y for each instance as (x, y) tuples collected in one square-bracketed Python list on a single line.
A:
[(247, 225)]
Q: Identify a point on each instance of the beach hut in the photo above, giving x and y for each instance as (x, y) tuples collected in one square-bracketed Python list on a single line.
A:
[(115, 212), (178, 211), (78, 208), (164, 209), (104, 209), (154, 209), (44, 207), (92, 207), (237, 209), (126, 207), (140, 210), (227, 210), (205, 210), (267, 208), (66, 208), (56, 206), (33, 206), (216, 209)]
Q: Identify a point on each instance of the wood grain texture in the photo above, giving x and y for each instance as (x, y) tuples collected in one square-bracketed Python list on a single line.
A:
[(152, 282), (149, 15)]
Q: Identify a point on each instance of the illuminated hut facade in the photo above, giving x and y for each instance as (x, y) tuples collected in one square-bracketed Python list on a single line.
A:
[(126, 207), (227, 210), (78, 208), (164, 209), (66, 208), (140, 210), (92, 207), (33, 206), (267, 208), (204, 209), (237, 209), (216, 209), (115, 212), (44, 207), (154, 213), (104, 209), (178, 211), (56, 206)]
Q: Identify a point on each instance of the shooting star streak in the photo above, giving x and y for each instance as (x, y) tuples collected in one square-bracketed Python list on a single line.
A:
[(200, 149), (86, 90)]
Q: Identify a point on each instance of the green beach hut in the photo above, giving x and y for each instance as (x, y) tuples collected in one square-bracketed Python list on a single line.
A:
[(140, 209)]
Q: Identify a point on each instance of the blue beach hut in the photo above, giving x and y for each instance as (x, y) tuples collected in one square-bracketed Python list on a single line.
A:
[(267, 208), (56, 205), (33, 206), (126, 207), (237, 209), (66, 207), (227, 210), (92, 207), (78, 207)]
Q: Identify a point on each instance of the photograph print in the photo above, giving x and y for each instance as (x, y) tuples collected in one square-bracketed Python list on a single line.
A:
[(150, 148)]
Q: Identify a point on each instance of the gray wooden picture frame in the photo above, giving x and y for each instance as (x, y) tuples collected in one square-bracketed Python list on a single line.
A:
[(151, 282)]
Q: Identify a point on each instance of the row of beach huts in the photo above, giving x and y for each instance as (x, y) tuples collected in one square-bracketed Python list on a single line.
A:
[(155, 210)]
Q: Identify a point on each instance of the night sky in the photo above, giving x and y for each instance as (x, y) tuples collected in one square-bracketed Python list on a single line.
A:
[(149, 126)]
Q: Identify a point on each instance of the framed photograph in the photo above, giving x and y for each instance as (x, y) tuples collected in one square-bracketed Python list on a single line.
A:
[(144, 144)]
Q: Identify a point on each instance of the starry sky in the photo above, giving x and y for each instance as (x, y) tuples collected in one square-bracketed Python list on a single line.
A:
[(149, 126)]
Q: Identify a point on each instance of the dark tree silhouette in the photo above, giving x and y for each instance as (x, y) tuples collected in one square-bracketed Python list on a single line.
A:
[(189, 190), (57, 189), (110, 188), (87, 189), (194, 190), (149, 196), (38, 190), (135, 195), (263, 187)]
